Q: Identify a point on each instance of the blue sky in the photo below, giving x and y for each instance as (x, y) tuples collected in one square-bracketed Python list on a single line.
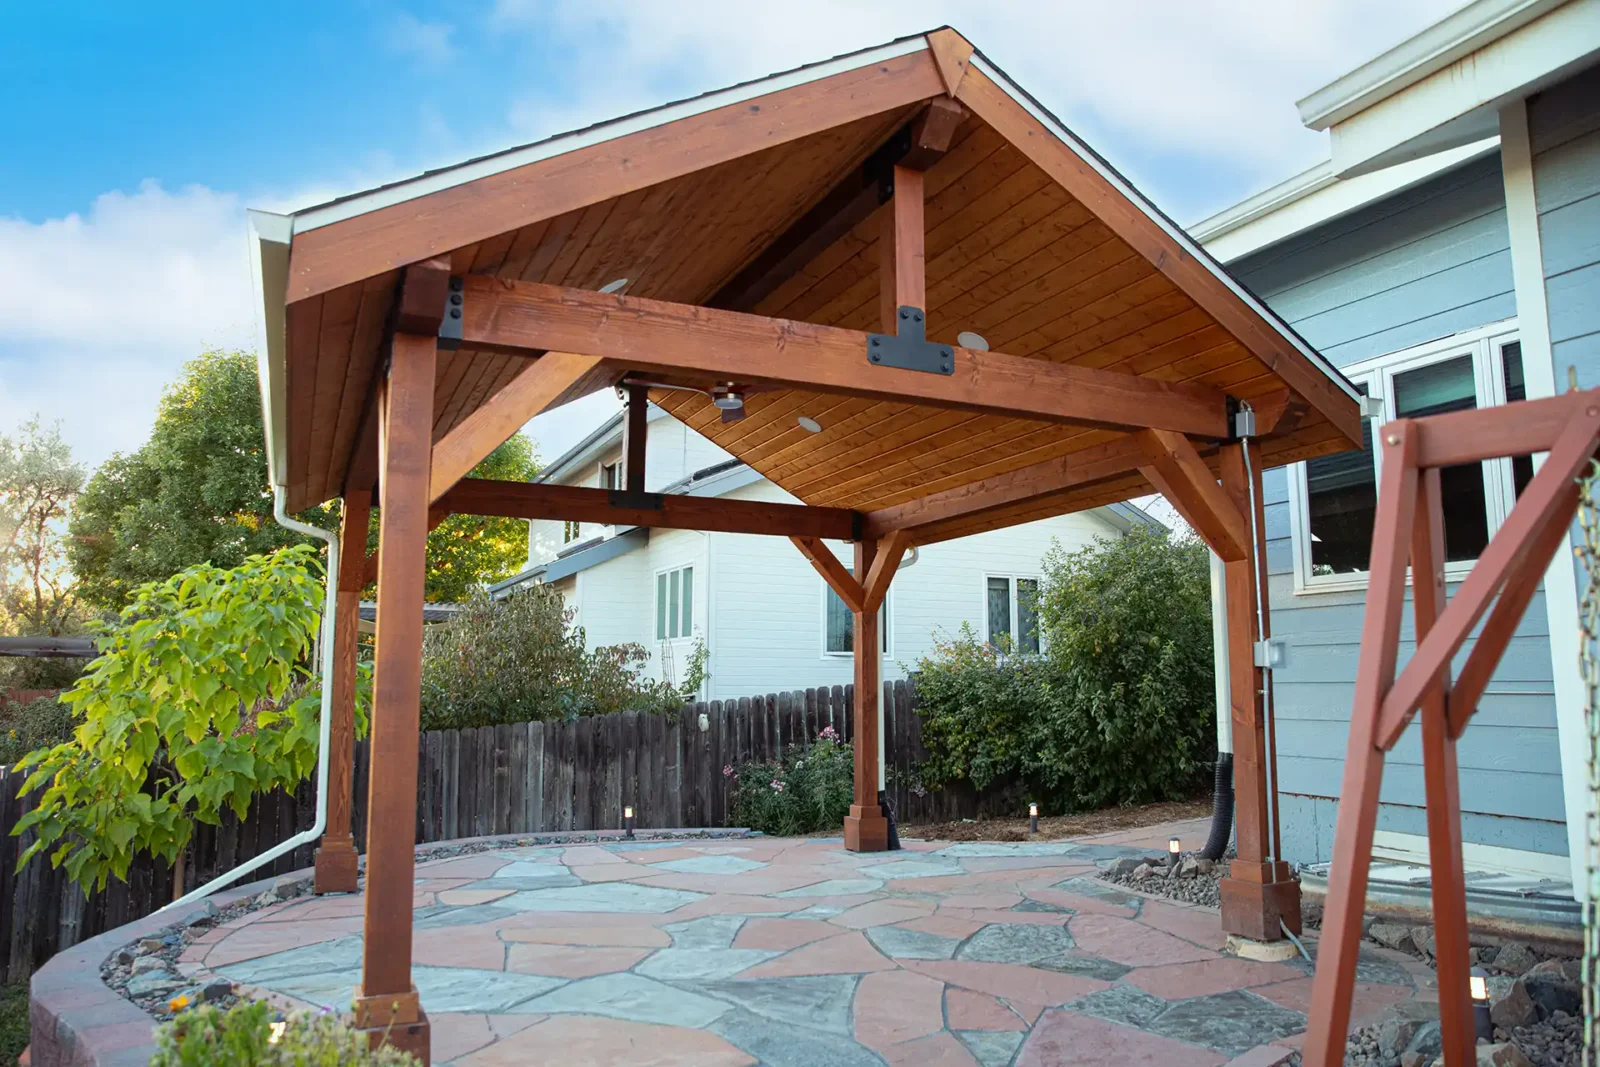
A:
[(150, 127)]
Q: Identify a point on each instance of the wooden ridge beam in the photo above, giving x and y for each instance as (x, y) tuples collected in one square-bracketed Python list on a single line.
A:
[(658, 337), (1074, 470), (550, 381), (524, 500), (835, 573), (1178, 472)]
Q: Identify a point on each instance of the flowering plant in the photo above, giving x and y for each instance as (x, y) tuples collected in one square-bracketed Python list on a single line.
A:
[(807, 790)]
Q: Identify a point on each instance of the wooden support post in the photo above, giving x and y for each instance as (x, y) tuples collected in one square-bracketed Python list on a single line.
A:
[(901, 271), (386, 1004), (1340, 945), (865, 828), (336, 866), (1259, 895), (634, 429), (1442, 786)]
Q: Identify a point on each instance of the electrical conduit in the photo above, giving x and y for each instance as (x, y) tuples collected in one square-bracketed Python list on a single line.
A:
[(330, 607)]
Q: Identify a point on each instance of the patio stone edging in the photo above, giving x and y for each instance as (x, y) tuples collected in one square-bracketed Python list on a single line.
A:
[(79, 1021)]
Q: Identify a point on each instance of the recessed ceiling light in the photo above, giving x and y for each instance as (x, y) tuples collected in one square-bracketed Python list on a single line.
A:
[(806, 422), (975, 341), (614, 286)]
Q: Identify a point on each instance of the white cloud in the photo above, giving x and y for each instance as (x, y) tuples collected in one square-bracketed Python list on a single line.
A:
[(429, 43)]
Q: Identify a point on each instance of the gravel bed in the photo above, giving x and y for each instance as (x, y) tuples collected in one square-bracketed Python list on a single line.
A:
[(1194, 880), (145, 970)]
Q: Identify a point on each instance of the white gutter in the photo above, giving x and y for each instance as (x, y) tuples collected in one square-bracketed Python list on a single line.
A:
[(329, 610)]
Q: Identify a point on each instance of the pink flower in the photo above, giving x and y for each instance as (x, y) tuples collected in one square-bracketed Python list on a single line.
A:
[(727, 771), (827, 731), (777, 786)]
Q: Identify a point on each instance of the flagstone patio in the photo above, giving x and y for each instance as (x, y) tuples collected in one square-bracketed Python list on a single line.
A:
[(796, 953)]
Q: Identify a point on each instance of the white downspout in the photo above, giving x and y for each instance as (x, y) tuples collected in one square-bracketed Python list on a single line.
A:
[(1219, 653), (330, 608)]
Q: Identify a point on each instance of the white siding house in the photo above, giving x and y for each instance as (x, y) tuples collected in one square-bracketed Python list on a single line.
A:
[(760, 608)]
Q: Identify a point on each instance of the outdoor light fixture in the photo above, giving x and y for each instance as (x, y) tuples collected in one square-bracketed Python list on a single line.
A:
[(616, 285), (727, 398), (974, 341), (627, 822), (1033, 818), (807, 423), (1174, 847), (1478, 983)]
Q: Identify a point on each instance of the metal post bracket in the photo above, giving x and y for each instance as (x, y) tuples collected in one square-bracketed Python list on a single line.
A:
[(909, 348), (450, 325)]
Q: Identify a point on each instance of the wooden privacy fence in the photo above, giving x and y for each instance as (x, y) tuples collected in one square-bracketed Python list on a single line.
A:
[(517, 778)]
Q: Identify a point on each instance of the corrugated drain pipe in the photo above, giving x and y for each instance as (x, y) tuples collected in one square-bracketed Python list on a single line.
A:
[(330, 606), (1222, 798)]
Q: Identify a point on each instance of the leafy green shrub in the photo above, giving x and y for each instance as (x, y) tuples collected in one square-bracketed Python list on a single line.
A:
[(201, 698), (243, 1036), (1118, 709), (805, 791), (36, 724), (517, 660)]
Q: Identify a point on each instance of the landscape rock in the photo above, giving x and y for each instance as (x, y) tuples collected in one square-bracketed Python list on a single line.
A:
[(1144, 870), (1426, 1043), (1515, 958), (1552, 991), (1510, 1006), (1188, 867), (1422, 938), (125, 957), (269, 897), (217, 990), (1205, 865), (152, 944), (1413, 1059), (1504, 1054), (146, 964), (1399, 1024), (153, 983), (1392, 935), (1125, 865), (286, 885)]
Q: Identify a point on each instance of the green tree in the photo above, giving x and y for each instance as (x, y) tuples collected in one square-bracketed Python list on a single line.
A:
[(38, 484), (201, 699), (197, 492)]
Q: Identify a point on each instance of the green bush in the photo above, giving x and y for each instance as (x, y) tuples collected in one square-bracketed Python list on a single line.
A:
[(517, 660), (805, 791), (1118, 709), (39, 723), (243, 1036)]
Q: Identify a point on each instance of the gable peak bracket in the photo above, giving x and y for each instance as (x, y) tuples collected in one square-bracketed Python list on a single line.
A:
[(908, 348), (450, 324)]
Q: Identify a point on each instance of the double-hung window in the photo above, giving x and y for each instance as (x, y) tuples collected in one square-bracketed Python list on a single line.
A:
[(839, 625), (1333, 498), (1012, 612), (675, 604)]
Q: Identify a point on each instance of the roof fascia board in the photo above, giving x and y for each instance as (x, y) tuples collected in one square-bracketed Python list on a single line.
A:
[(1317, 196), (422, 185), (1417, 57), (612, 547), (1461, 102), (269, 236), (1172, 229)]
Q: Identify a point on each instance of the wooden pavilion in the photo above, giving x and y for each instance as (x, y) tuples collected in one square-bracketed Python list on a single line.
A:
[(808, 254)]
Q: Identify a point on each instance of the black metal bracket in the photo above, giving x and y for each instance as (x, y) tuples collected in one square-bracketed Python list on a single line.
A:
[(910, 349), (622, 498), (450, 325)]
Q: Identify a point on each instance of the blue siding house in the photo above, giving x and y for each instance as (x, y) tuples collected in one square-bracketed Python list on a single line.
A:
[(1446, 256)]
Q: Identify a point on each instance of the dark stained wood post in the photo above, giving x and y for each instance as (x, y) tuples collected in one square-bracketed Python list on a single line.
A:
[(1258, 892), (635, 426), (336, 865), (865, 828)]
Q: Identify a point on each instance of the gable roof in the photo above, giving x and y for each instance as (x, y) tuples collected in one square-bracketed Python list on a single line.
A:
[(1033, 240)]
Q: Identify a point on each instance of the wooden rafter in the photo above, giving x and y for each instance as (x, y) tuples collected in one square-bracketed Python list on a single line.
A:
[(609, 507), (633, 333), (553, 379)]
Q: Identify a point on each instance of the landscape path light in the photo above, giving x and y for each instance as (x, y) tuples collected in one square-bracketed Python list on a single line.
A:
[(1033, 818)]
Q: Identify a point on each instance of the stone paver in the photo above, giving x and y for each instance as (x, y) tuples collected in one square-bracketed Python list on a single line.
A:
[(796, 953)]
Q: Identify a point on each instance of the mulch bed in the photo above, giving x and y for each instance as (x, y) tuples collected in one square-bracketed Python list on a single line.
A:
[(1058, 826)]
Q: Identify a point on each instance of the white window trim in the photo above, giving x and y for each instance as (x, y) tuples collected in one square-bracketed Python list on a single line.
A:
[(1484, 344), (1016, 602), (886, 612), (655, 603)]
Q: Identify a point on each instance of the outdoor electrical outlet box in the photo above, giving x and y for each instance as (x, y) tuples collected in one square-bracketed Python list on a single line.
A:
[(1271, 653), (1372, 407), (1244, 423)]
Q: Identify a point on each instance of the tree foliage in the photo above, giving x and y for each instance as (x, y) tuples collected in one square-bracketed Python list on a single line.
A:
[(38, 483), (197, 492), (201, 699), (520, 660), (1119, 707)]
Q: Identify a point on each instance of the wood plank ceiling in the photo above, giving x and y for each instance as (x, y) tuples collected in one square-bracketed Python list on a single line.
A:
[(1010, 255)]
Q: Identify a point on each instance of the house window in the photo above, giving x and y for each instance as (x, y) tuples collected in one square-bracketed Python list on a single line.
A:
[(1334, 498), (610, 476), (569, 532), (1012, 612), (674, 603), (839, 624)]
